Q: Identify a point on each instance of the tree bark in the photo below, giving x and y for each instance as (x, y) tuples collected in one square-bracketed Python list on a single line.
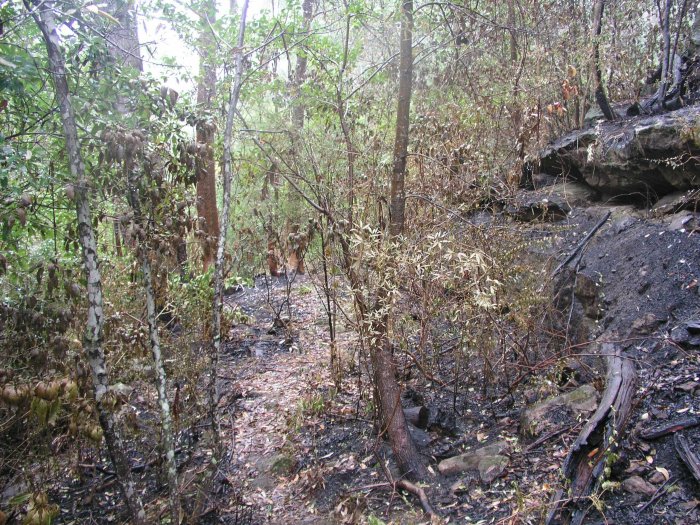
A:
[(298, 108), (161, 378), (217, 307), (666, 51), (383, 365), (206, 130), (92, 336), (350, 147), (128, 49), (600, 96), (397, 205)]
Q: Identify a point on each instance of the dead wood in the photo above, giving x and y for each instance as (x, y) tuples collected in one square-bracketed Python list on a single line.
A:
[(586, 460), (687, 455), (582, 243), (670, 427), (419, 493), (659, 492), (545, 438), (417, 416)]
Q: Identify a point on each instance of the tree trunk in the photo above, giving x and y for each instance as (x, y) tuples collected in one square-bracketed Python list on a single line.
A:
[(600, 96), (217, 307), (350, 147), (125, 34), (666, 51), (299, 109), (384, 369), (206, 130), (397, 204), (161, 378), (387, 389), (92, 337), (297, 79)]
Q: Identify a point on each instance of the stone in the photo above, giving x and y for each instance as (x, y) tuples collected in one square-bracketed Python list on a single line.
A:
[(669, 203), (420, 437), (540, 417), (121, 390), (645, 324), (657, 478), (685, 220), (627, 156), (535, 208), (492, 467), (488, 459), (638, 486)]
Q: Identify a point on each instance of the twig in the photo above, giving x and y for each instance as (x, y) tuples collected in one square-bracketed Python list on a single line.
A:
[(582, 243), (544, 438), (670, 428)]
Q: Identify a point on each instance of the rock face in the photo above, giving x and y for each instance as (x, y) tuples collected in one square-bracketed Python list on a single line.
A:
[(544, 416), (649, 155)]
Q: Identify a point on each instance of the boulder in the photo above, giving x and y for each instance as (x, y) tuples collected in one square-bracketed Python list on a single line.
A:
[(648, 155), (547, 414)]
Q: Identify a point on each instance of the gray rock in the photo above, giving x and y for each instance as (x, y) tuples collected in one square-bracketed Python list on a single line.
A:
[(420, 437), (121, 390), (533, 207), (645, 324), (492, 467), (489, 461), (541, 416), (631, 156)]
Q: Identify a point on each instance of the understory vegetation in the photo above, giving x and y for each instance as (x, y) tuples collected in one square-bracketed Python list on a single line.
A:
[(361, 144)]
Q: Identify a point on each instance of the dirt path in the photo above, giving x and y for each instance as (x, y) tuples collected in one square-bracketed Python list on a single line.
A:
[(272, 379)]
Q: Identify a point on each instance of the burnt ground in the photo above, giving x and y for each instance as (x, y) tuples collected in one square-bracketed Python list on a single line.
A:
[(645, 272), (298, 450), (318, 460)]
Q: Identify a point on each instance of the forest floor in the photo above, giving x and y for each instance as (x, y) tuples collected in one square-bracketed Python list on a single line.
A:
[(303, 452), (300, 450)]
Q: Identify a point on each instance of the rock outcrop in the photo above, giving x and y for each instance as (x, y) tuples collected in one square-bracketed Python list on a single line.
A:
[(644, 156)]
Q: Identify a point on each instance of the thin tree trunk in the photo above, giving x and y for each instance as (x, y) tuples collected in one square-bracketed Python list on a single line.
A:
[(92, 337), (600, 96), (206, 165), (387, 389), (666, 52), (299, 109), (161, 378), (397, 205), (128, 49), (217, 307), (393, 420), (351, 151), (116, 226)]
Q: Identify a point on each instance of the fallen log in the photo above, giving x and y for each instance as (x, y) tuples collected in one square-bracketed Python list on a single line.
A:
[(417, 416), (670, 427), (586, 461), (687, 455)]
